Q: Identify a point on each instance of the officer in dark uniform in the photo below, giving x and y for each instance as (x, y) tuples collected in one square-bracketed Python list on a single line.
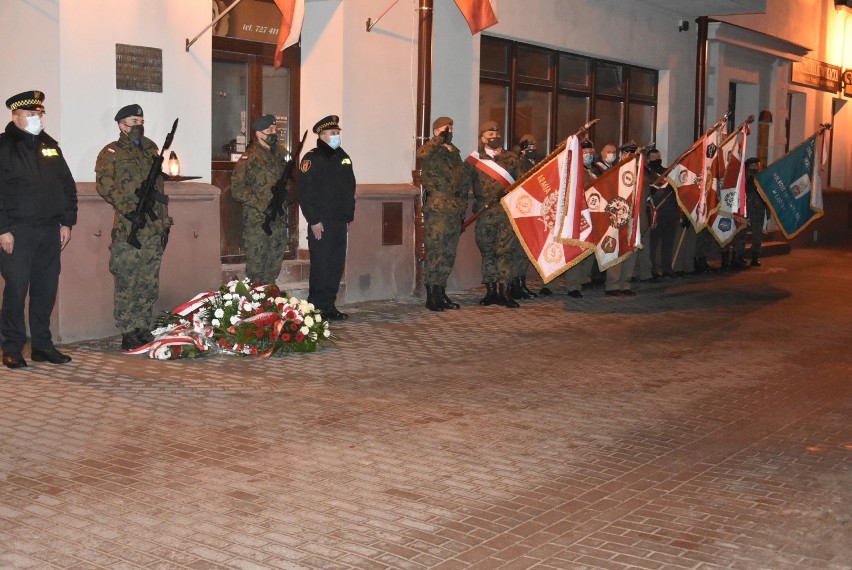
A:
[(326, 190), (121, 168), (38, 208)]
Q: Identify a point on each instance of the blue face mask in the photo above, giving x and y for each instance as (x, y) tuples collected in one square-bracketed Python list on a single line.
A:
[(334, 141)]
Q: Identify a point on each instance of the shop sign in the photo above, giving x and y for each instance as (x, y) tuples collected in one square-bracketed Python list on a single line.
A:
[(253, 20), (847, 82), (816, 74)]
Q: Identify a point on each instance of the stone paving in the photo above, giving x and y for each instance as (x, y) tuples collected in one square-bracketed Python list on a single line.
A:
[(704, 424)]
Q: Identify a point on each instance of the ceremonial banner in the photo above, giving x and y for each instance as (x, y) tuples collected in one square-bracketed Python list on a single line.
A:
[(792, 188), (727, 202), (532, 209), (614, 212), (692, 177), (478, 13), (723, 226), (292, 16)]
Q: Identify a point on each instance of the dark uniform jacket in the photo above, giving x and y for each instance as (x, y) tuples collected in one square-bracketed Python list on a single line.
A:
[(487, 188), (36, 185), (326, 185), (120, 170), (255, 174)]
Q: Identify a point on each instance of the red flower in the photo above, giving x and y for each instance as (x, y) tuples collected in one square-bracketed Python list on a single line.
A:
[(285, 337), (294, 327), (259, 333), (223, 343), (300, 337)]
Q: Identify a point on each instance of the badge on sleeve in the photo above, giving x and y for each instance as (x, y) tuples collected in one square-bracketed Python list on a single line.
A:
[(305, 165)]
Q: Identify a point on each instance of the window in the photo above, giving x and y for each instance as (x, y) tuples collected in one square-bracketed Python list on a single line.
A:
[(550, 94)]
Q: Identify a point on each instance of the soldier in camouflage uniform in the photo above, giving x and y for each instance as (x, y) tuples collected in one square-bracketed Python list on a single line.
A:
[(494, 235), (255, 174), (121, 168), (526, 150), (756, 211), (447, 180)]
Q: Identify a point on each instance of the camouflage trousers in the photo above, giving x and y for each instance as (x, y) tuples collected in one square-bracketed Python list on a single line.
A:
[(441, 233), (756, 217), (496, 242), (264, 253), (137, 281), (520, 260)]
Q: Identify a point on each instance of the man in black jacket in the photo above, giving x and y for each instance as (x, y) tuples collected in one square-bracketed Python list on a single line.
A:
[(38, 207), (326, 190)]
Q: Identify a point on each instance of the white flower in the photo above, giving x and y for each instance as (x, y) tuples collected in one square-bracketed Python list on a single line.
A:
[(164, 354), (227, 296), (325, 333), (293, 301), (219, 313), (235, 319), (256, 296), (309, 321), (318, 318), (304, 330), (311, 307), (215, 322), (280, 300)]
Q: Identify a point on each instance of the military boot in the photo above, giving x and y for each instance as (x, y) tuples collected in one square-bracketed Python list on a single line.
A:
[(755, 262), (528, 294), (447, 302), (738, 262), (726, 261), (504, 296), (490, 295), (129, 341), (433, 298), (514, 287)]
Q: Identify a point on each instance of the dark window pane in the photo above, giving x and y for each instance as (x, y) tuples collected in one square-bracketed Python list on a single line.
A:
[(641, 123), (494, 56), (574, 72), (532, 116), (533, 63), (573, 114), (608, 129), (492, 104), (643, 82), (609, 79), (230, 109)]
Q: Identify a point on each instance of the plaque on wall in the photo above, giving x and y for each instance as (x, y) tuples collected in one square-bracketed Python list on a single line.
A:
[(254, 20), (138, 68), (816, 74)]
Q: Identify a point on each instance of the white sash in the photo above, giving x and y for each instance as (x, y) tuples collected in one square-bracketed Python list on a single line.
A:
[(492, 169)]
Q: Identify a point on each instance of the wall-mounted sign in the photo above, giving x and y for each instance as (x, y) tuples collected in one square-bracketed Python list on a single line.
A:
[(254, 20), (138, 68), (847, 82), (816, 74)]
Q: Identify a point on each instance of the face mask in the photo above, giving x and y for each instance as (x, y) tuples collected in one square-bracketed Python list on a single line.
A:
[(587, 159), (609, 157), (271, 140), (494, 143), (447, 136), (334, 141), (656, 165), (34, 125), (136, 133)]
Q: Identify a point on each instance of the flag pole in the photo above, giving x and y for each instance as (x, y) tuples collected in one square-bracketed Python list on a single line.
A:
[(371, 23), (528, 174), (211, 24)]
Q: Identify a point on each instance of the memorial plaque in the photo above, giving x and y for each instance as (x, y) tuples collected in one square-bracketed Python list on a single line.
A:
[(138, 68)]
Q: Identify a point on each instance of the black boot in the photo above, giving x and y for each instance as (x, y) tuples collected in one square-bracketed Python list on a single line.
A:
[(505, 297), (433, 298), (755, 262), (514, 288), (525, 291), (545, 292), (490, 295), (726, 261), (738, 262), (447, 302)]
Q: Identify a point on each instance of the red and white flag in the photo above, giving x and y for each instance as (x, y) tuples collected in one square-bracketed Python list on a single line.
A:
[(532, 209), (478, 13), (614, 212), (727, 203), (692, 177), (292, 16), (723, 226)]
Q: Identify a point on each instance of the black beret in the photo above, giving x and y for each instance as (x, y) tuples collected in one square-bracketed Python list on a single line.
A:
[(330, 122), (263, 122), (441, 122), (28, 100), (587, 144), (133, 110), (526, 141), (629, 147), (752, 160)]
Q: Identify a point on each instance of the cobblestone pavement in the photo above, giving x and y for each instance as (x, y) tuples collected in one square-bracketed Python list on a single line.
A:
[(703, 424)]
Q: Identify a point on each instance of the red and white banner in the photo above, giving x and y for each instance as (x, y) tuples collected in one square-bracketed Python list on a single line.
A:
[(692, 178), (292, 16), (532, 209), (614, 212), (727, 202), (478, 13)]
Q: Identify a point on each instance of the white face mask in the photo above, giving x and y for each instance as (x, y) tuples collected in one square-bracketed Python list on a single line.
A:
[(587, 159), (34, 125), (334, 141), (609, 157)]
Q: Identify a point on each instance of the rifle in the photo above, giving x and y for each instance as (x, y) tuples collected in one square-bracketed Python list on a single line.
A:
[(529, 173), (279, 190), (148, 193)]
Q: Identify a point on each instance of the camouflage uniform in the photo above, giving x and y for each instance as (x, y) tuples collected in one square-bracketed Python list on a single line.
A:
[(447, 180), (121, 168), (254, 175), (494, 235), (756, 209)]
